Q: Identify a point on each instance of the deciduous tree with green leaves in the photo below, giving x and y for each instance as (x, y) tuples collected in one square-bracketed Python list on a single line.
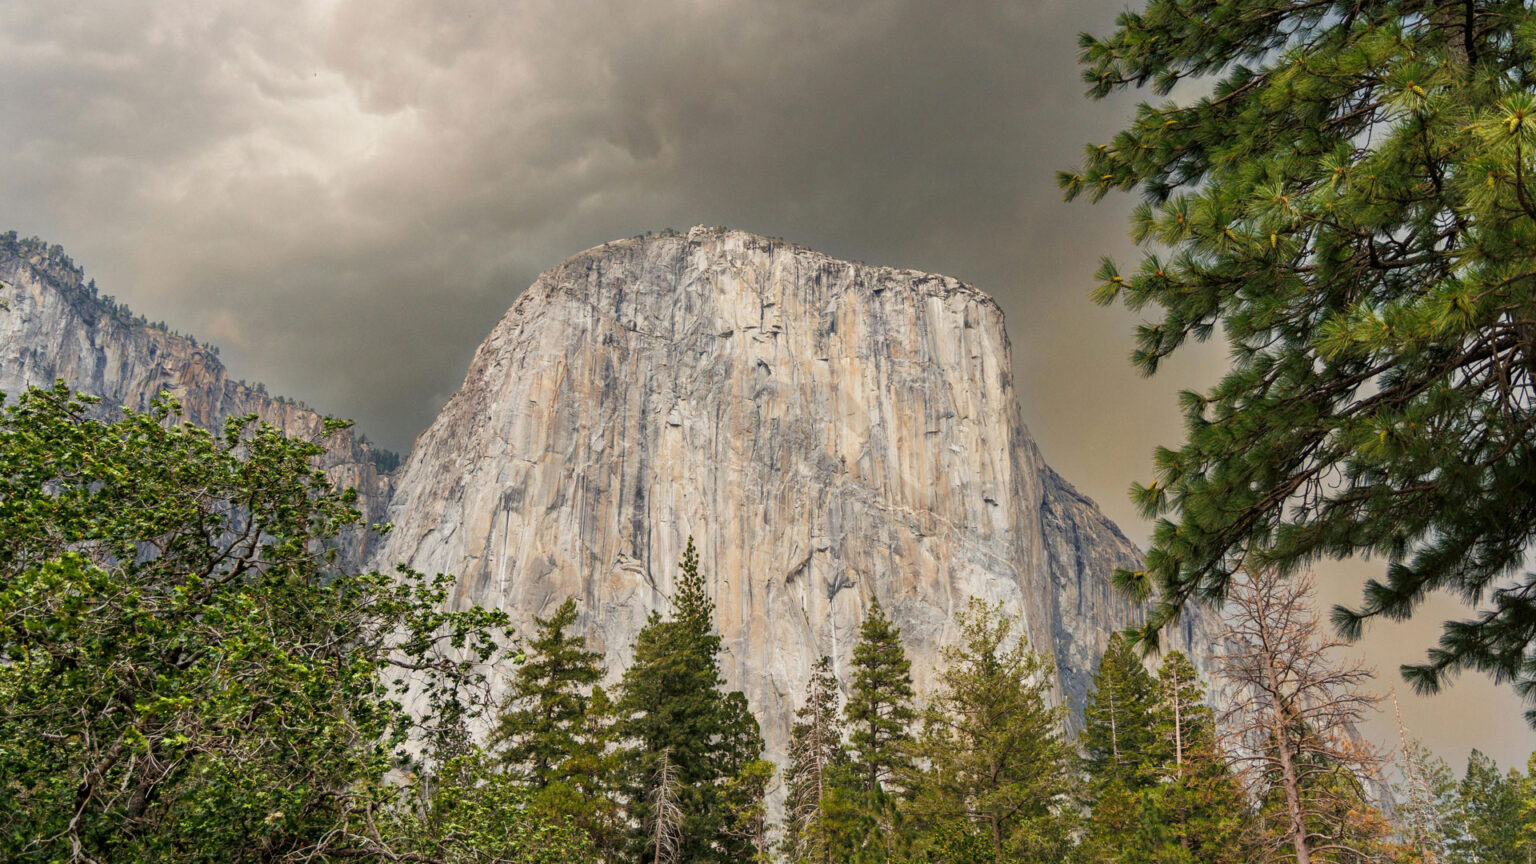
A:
[(184, 674), (1348, 191)]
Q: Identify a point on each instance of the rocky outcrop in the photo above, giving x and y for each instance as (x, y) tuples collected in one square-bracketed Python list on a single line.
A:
[(53, 325), (829, 433)]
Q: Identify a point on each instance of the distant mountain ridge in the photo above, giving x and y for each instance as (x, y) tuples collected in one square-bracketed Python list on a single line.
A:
[(55, 325)]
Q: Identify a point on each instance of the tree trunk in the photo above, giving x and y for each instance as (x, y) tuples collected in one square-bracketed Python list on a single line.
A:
[(1291, 787)]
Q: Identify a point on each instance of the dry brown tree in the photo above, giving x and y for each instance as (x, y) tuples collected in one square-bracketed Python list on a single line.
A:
[(1291, 725), (666, 813)]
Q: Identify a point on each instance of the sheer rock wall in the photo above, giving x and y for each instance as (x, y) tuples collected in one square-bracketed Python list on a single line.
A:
[(828, 432)]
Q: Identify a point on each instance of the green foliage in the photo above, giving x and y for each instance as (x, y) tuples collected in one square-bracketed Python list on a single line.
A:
[(996, 765), (384, 461), (541, 732), (1182, 721), (879, 712), (183, 675), (556, 734), (1353, 205), (815, 755), (471, 813), (1180, 802), (671, 704), (859, 819), (1197, 808), (1118, 738), (1490, 822), (746, 803)]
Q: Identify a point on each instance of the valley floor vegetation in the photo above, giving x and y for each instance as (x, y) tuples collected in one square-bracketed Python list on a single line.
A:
[(187, 676)]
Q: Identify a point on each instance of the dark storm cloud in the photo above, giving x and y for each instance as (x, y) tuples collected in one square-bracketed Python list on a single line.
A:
[(345, 195), (348, 194)]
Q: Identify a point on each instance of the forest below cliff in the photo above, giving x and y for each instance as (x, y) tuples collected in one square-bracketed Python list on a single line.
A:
[(189, 675)]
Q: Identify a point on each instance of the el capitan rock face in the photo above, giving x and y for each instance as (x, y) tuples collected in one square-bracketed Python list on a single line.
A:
[(828, 432)]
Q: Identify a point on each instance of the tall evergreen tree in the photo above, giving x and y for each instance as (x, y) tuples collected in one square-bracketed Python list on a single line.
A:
[(671, 705), (879, 710), (543, 726), (746, 800), (589, 794), (555, 734), (997, 767), (1179, 802), (1183, 720), (1490, 824), (1352, 206), (1120, 753), (1198, 803), (815, 754), (1118, 738)]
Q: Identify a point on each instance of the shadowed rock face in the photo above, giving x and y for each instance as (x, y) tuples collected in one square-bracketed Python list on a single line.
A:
[(828, 432), (54, 327)]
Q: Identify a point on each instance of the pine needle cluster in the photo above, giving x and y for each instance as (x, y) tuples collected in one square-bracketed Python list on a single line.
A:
[(1353, 205)]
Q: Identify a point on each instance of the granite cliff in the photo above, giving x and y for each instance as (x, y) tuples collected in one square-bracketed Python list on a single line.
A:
[(54, 325), (830, 433)]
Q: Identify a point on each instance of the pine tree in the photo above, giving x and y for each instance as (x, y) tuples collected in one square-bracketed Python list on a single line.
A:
[(1353, 208), (997, 767), (555, 735), (1178, 801), (879, 711), (672, 706), (1183, 720), (1120, 753), (588, 795), (815, 753), (746, 799), (1490, 824), (1118, 739), (1198, 802), (543, 725)]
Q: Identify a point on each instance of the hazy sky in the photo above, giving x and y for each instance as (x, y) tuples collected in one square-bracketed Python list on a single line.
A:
[(345, 195)]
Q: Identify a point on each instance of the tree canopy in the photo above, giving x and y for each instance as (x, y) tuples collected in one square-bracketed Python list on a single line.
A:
[(184, 676), (681, 726), (1351, 201)]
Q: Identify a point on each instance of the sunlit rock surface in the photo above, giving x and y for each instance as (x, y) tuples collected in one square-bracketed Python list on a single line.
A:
[(828, 432)]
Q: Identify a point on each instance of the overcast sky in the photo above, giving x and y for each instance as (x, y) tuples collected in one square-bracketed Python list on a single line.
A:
[(345, 195)]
